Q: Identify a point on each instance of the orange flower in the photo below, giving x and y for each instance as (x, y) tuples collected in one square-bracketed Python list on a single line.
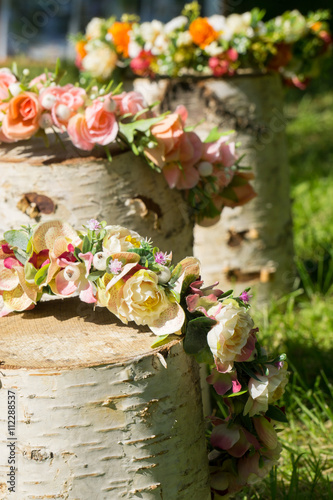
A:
[(119, 32), (202, 32), (316, 26), (81, 49)]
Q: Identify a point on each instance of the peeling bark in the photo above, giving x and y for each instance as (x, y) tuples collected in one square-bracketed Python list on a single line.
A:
[(39, 184), (251, 245), (98, 414)]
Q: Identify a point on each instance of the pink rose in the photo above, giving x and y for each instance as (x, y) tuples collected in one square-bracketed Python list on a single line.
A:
[(22, 117), (96, 126), (102, 125), (222, 65), (129, 102), (220, 152), (63, 102), (78, 132), (40, 80), (140, 65), (6, 79)]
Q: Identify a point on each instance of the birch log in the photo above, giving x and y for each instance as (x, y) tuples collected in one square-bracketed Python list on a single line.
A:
[(251, 245), (99, 413), (39, 184)]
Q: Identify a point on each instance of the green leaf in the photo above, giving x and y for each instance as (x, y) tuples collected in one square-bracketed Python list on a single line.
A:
[(225, 294), (163, 339), (95, 275), (237, 393), (129, 129), (214, 134), (21, 255), (86, 246), (205, 356), (196, 334), (275, 413), (41, 275), (30, 271), (248, 371), (17, 239)]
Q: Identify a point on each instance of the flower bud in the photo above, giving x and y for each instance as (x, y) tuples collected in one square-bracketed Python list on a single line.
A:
[(63, 112), (163, 275), (266, 432), (15, 88), (45, 121), (99, 261), (71, 273), (109, 105), (48, 100), (205, 168)]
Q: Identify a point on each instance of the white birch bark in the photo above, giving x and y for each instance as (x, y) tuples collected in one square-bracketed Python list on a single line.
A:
[(251, 245), (84, 186), (99, 413)]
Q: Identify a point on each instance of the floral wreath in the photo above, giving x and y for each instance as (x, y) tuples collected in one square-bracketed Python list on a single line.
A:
[(290, 44), (208, 173), (114, 267)]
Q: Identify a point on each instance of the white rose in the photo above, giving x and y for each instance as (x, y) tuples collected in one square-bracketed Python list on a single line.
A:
[(175, 24), (94, 28), (100, 60), (149, 31), (184, 39), (267, 390), (218, 22), (142, 299), (229, 336), (239, 23), (134, 49), (119, 239), (213, 49), (99, 260)]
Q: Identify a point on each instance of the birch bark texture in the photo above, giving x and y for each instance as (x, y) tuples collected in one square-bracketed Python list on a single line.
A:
[(99, 413), (250, 245), (39, 184)]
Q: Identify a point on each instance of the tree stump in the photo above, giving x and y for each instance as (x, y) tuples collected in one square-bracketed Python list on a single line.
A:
[(39, 183), (99, 414), (251, 245)]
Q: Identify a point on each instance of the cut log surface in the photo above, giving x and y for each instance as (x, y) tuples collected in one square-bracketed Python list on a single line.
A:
[(251, 245), (39, 183), (99, 413)]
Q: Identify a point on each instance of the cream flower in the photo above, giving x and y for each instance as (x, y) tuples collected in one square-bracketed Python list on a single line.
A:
[(142, 300), (238, 23), (267, 390), (229, 337), (94, 28), (176, 23), (184, 39), (214, 49), (100, 60), (218, 22), (119, 239)]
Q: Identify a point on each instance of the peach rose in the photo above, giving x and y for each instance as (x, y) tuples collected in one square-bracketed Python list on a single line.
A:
[(22, 118), (167, 132)]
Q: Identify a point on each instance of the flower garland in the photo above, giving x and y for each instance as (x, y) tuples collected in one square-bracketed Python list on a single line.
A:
[(291, 44), (114, 267), (207, 172)]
